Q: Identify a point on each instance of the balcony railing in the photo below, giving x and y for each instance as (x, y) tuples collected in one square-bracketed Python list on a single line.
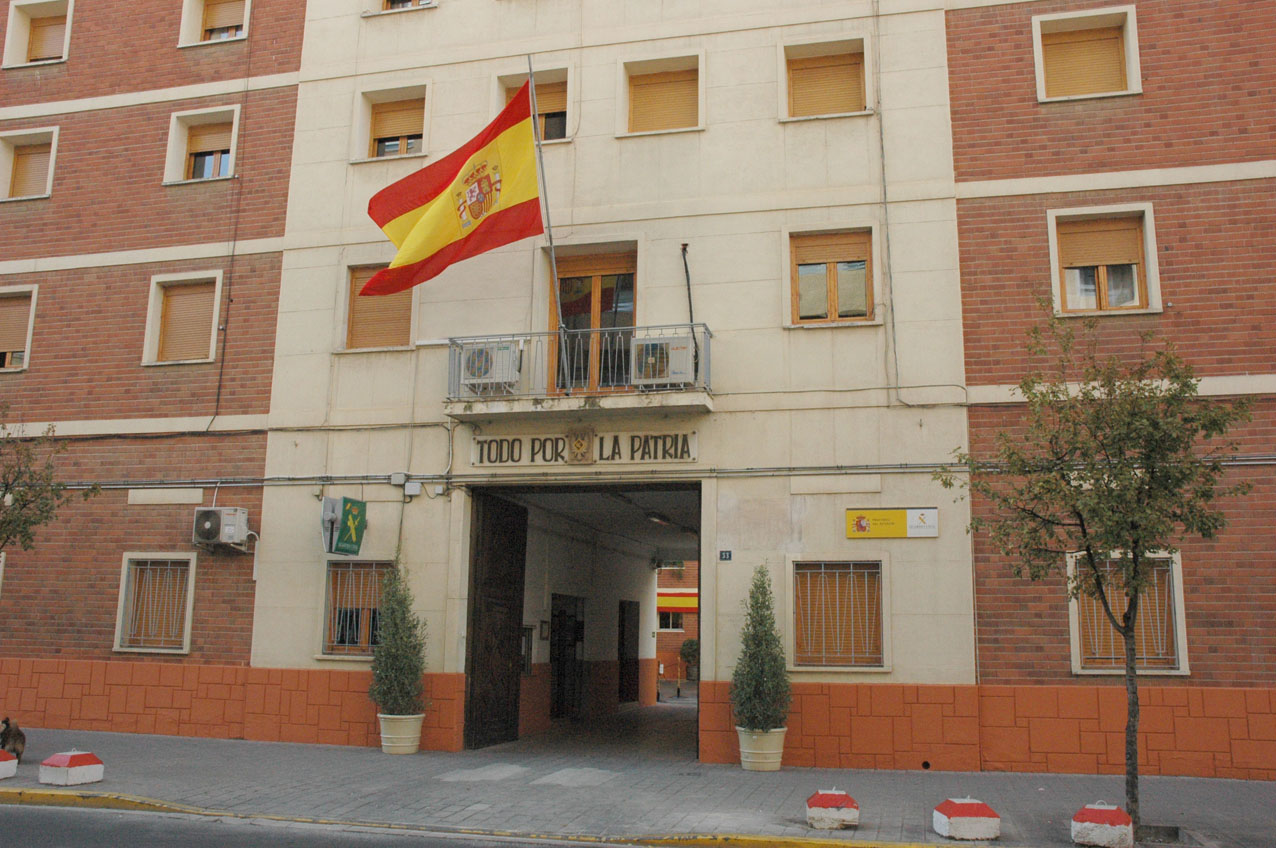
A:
[(575, 363)]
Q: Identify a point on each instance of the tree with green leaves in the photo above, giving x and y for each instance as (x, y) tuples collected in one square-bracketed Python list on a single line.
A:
[(398, 657), (760, 682), (1116, 460), (30, 493)]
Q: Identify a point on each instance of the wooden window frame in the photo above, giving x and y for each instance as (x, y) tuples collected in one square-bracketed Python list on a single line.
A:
[(864, 254), (1123, 17), (180, 157), (194, 30), (19, 37), (404, 5), (629, 71), (224, 32), (403, 139), (364, 624), (14, 147), (28, 293), (126, 596), (355, 278), (595, 266), (551, 94), (802, 57), (1176, 592), (1148, 282), (786, 596), (857, 566), (42, 23), (156, 309)]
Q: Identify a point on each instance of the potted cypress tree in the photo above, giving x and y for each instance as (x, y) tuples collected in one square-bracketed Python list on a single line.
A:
[(398, 668), (760, 683)]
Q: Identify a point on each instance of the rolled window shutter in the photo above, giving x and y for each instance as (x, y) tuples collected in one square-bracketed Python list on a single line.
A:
[(831, 247), (550, 96), (826, 85), (1103, 241), (400, 118), (223, 13), (187, 321), (381, 321), (1090, 61), (48, 35), (206, 138), (30, 170), (664, 101), (15, 317)]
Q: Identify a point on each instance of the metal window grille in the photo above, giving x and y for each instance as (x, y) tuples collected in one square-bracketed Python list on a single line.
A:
[(1155, 630), (354, 595), (155, 605), (838, 613)]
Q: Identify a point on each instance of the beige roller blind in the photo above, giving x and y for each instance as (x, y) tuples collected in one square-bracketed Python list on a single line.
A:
[(30, 170), (381, 321), (830, 247), (205, 138), (550, 96), (223, 13), (826, 85), (1088, 61), (187, 321), (664, 101), (1104, 241), (48, 35), (15, 316), (400, 118)]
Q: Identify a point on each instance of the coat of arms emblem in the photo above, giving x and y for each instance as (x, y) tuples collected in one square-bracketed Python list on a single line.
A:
[(480, 193)]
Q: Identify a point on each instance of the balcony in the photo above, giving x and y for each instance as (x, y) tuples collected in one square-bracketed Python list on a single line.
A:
[(598, 372)]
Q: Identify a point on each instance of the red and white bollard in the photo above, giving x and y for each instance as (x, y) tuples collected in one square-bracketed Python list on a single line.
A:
[(966, 818), (1103, 824), (72, 768), (830, 809), (8, 765)]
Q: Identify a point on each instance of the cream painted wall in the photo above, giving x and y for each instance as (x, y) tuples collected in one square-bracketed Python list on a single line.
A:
[(815, 399)]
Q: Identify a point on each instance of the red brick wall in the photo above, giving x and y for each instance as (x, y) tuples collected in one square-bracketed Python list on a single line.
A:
[(59, 600), (90, 325), (668, 642), (1209, 95), (125, 46), (1214, 244), (107, 181), (1201, 732)]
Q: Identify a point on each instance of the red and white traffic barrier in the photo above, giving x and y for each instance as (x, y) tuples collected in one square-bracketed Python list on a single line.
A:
[(8, 765), (966, 818), (829, 809), (1103, 824), (72, 768)]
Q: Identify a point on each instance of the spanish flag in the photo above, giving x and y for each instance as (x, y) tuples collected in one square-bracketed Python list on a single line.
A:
[(479, 197)]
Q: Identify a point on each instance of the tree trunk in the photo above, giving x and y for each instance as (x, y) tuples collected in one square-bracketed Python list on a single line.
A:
[(1131, 721)]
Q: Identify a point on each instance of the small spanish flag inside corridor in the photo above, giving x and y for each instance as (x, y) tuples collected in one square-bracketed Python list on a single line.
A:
[(479, 197)]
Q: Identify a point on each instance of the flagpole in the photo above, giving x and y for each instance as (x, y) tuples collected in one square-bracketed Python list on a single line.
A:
[(564, 353)]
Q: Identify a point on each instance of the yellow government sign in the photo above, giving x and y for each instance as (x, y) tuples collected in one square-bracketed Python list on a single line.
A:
[(892, 523)]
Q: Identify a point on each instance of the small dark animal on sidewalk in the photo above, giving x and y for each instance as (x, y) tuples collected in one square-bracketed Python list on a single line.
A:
[(12, 739)]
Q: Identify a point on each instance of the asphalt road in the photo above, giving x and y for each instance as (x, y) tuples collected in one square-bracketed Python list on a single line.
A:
[(61, 827)]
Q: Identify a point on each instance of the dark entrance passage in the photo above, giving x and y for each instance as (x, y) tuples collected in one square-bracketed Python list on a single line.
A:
[(627, 651), (494, 665), (566, 660)]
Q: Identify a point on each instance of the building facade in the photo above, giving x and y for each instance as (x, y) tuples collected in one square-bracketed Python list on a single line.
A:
[(794, 251)]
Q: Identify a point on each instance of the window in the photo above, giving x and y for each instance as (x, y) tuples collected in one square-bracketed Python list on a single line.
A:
[(551, 108), (391, 5), (354, 596), (837, 614), (832, 277), (825, 79), (26, 162), (396, 128), (15, 327), (155, 602), (663, 95), (1160, 642), (201, 144), (223, 19), (181, 318), (1101, 264), (1086, 54), (37, 32), (595, 294), (670, 621), (381, 321)]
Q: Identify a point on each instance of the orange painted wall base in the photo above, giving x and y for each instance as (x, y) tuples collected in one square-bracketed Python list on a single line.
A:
[(229, 702), (1189, 731)]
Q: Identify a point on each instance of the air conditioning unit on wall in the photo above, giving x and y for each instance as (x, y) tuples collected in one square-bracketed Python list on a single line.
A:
[(490, 364), (220, 525), (663, 361)]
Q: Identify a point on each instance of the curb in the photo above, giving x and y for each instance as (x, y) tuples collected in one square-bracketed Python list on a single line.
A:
[(93, 800)]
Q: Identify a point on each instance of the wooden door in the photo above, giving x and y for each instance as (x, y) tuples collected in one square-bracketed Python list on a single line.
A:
[(596, 298), (627, 650), (494, 662)]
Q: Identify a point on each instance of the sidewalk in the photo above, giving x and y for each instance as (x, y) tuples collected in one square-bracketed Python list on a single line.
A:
[(634, 776)]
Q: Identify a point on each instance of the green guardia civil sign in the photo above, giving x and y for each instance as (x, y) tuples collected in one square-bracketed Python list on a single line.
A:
[(351, 525)]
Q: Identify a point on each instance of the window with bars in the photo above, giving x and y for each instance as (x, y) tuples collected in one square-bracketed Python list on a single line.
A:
[(671, 621), (354, 596), (1101, 264), (156, 608), (832, 277), (1155, 634), (15, 320), (223, 19), (380, 321), (666, 100), (825, 85), (397, 128), (837, 612), (551, 108)]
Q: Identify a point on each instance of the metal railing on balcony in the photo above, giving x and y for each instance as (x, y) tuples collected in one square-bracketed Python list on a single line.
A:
[(572, 363)]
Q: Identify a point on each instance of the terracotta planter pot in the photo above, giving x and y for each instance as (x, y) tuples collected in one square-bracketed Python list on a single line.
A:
[(401, 734), (761, 750)]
